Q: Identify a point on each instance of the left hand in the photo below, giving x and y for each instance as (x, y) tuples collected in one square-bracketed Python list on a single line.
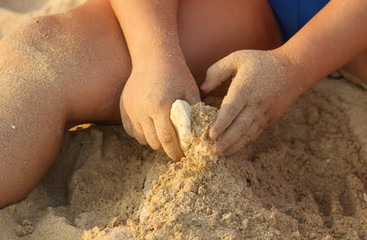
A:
[(263, 87), (154, 84)]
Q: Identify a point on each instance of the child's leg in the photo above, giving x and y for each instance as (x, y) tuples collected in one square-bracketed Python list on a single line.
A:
[(55, 70), (72, 67)]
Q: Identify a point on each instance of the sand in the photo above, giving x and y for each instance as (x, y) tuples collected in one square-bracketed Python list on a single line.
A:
[(304, 177)]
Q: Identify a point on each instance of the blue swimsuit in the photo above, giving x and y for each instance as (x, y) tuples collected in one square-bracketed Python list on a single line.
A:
[(292, 15)]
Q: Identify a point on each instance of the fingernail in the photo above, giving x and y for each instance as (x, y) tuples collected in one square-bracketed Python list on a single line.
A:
[(212, 134), (217, 149), (204, 86)]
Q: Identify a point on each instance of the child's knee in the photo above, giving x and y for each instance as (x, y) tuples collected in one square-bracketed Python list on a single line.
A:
[(33, 54), (8, 197), (32, 31)]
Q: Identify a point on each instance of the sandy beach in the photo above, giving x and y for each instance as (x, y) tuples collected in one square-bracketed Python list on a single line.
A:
[(305, 177)]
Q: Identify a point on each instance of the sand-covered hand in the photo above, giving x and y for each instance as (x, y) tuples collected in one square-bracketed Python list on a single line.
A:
[(263, 86), (147, 99)]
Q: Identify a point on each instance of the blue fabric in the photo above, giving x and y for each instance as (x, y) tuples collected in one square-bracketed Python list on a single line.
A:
[(292, 15)]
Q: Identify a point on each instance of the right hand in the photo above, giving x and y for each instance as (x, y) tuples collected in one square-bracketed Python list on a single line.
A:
[(263, 86), (147, 98)]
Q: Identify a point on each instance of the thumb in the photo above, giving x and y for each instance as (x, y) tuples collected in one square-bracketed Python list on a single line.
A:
[(192, 96), (219, 72)]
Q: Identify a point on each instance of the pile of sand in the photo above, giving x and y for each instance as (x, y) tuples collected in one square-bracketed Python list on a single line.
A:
[(303, 178)]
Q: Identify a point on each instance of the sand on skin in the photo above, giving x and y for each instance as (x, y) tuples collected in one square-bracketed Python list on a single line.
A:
[(304, 178)]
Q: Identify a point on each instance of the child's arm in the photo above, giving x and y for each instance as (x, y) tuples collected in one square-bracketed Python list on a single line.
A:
[(150, 27), (265, 83), (331, 39), (159, 72)]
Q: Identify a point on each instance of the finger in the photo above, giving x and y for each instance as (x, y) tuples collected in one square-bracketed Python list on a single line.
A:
[(252, 133), (139, 135), (167, 137), (242, 141), (128, 128), (232, 105), (193, 96), (151, 135), (218, 73), (236, 130), (126, 123)]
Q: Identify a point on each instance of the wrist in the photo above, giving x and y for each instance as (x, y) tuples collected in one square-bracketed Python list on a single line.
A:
[(295, 69), (157, 55), (155, 45)]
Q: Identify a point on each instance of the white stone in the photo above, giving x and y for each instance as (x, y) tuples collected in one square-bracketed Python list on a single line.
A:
[(180, 118)]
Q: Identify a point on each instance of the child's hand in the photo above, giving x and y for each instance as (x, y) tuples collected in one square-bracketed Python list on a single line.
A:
[(147, 99), (263, 86)]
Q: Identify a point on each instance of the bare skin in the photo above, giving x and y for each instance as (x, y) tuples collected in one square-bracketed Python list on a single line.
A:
[(88, 80), (255, 97), (265, 83), (152, 29), (157, 48), (89, 85)]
